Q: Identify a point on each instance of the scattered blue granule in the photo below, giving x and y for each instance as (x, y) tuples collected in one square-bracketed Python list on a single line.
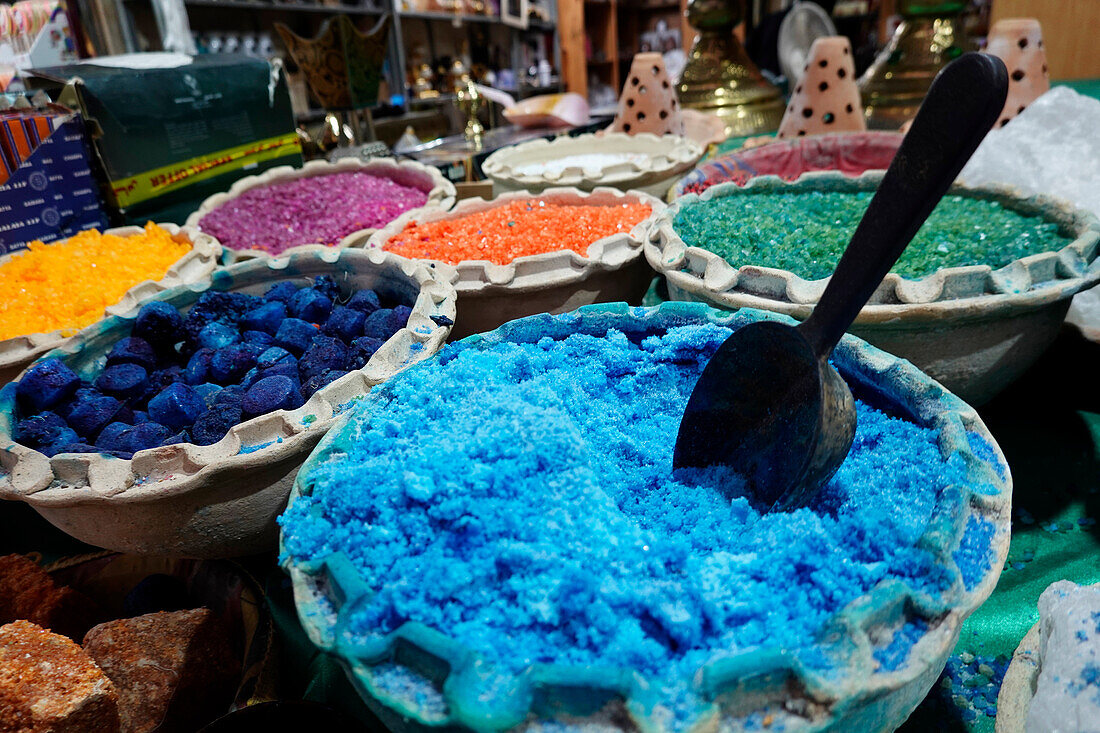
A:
[(974, 554), (402, 683), (969, 684), (133, 350), (159, 324), (184, 378), (894, 655), (521, 500)]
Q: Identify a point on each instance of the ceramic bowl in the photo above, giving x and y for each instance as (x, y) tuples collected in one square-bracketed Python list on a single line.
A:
[(973, 328), (553, 282), (437, 674), (18, 352), (849, 153), (640, 163), (441, 192), (219, 500)]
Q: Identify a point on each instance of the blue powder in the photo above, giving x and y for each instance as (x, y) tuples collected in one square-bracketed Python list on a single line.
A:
[(404, 684), (521, 500), (974, 553), (893, 656)]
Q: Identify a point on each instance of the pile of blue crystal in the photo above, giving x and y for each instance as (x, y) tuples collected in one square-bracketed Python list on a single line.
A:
[(190, 378)]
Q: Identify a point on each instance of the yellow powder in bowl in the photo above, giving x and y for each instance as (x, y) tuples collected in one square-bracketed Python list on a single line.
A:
[(67, 285)]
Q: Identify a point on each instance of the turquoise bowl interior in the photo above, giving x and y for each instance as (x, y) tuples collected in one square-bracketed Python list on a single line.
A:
[(420, 678)]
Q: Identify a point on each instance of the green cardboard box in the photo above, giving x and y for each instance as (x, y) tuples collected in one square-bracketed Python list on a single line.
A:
[(167, 136)]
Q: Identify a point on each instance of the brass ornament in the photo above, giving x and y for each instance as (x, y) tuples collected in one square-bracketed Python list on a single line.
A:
[(931, 34), (719, 77)]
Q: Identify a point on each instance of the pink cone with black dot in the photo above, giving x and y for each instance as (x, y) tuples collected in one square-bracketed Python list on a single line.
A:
[(1019, 43), (648, 102), (826, 99)]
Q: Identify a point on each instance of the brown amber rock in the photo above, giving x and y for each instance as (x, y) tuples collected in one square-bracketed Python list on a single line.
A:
[(28, 592), (48, 683), (172, 669)]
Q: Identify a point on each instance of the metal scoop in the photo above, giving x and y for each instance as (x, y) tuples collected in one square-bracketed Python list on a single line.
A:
[(768, 405)]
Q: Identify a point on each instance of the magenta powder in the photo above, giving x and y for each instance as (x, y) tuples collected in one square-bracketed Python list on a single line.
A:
[(314, 210)]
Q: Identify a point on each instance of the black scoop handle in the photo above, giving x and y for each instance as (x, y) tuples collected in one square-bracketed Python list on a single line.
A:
[(964, 101)]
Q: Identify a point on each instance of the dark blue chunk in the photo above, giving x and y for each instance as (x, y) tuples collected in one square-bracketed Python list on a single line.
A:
[(213, 424), (46, 384), (231, 396), (344, 323), (65, 436), (176, 406), (281, 292), (442, 320), (266, 318), (208, 391), (160, 324), (275, 355), (295, 335), (182, 436), (272, 393), (217, 336), (231, 363), (378, 324), (125, 381), (225, 308), (362, 349), (83, 394), (283, 368), (133, 350), (198, 367), (147, 435), (310, 305), (258, 338), (114, 437), (326, 286), (319, 381), (91, 416), (400, 316), (41, 429), (365, 301), (324, 353)]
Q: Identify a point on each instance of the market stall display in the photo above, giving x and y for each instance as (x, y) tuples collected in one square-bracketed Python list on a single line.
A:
[(53, 290), (288, 207), (233, 458), (974, 318), (518, 255), (667, 605)]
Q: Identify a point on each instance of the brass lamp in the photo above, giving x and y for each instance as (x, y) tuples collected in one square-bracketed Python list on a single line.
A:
[(930, 35), (719, 76)]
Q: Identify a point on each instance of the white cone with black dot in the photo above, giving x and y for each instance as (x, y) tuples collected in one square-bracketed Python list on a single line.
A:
[(827, 97), (648, 102), (1019, 43)]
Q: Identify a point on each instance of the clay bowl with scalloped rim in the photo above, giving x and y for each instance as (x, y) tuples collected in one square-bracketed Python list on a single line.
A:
[(440, 191), (18, 352), (973, 328), (218, 500), (641, 162), (613, 269), (416, 677)]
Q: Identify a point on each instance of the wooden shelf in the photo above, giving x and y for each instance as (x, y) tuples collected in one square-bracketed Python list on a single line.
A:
[(285, 7)]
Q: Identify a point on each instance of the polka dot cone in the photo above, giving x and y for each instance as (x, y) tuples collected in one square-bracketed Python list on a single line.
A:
[(1019, 43), (827, 97), (648, 102)]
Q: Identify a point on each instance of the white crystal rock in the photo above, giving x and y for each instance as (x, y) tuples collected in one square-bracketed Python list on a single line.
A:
[(1052, 147), (1067, 696)]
